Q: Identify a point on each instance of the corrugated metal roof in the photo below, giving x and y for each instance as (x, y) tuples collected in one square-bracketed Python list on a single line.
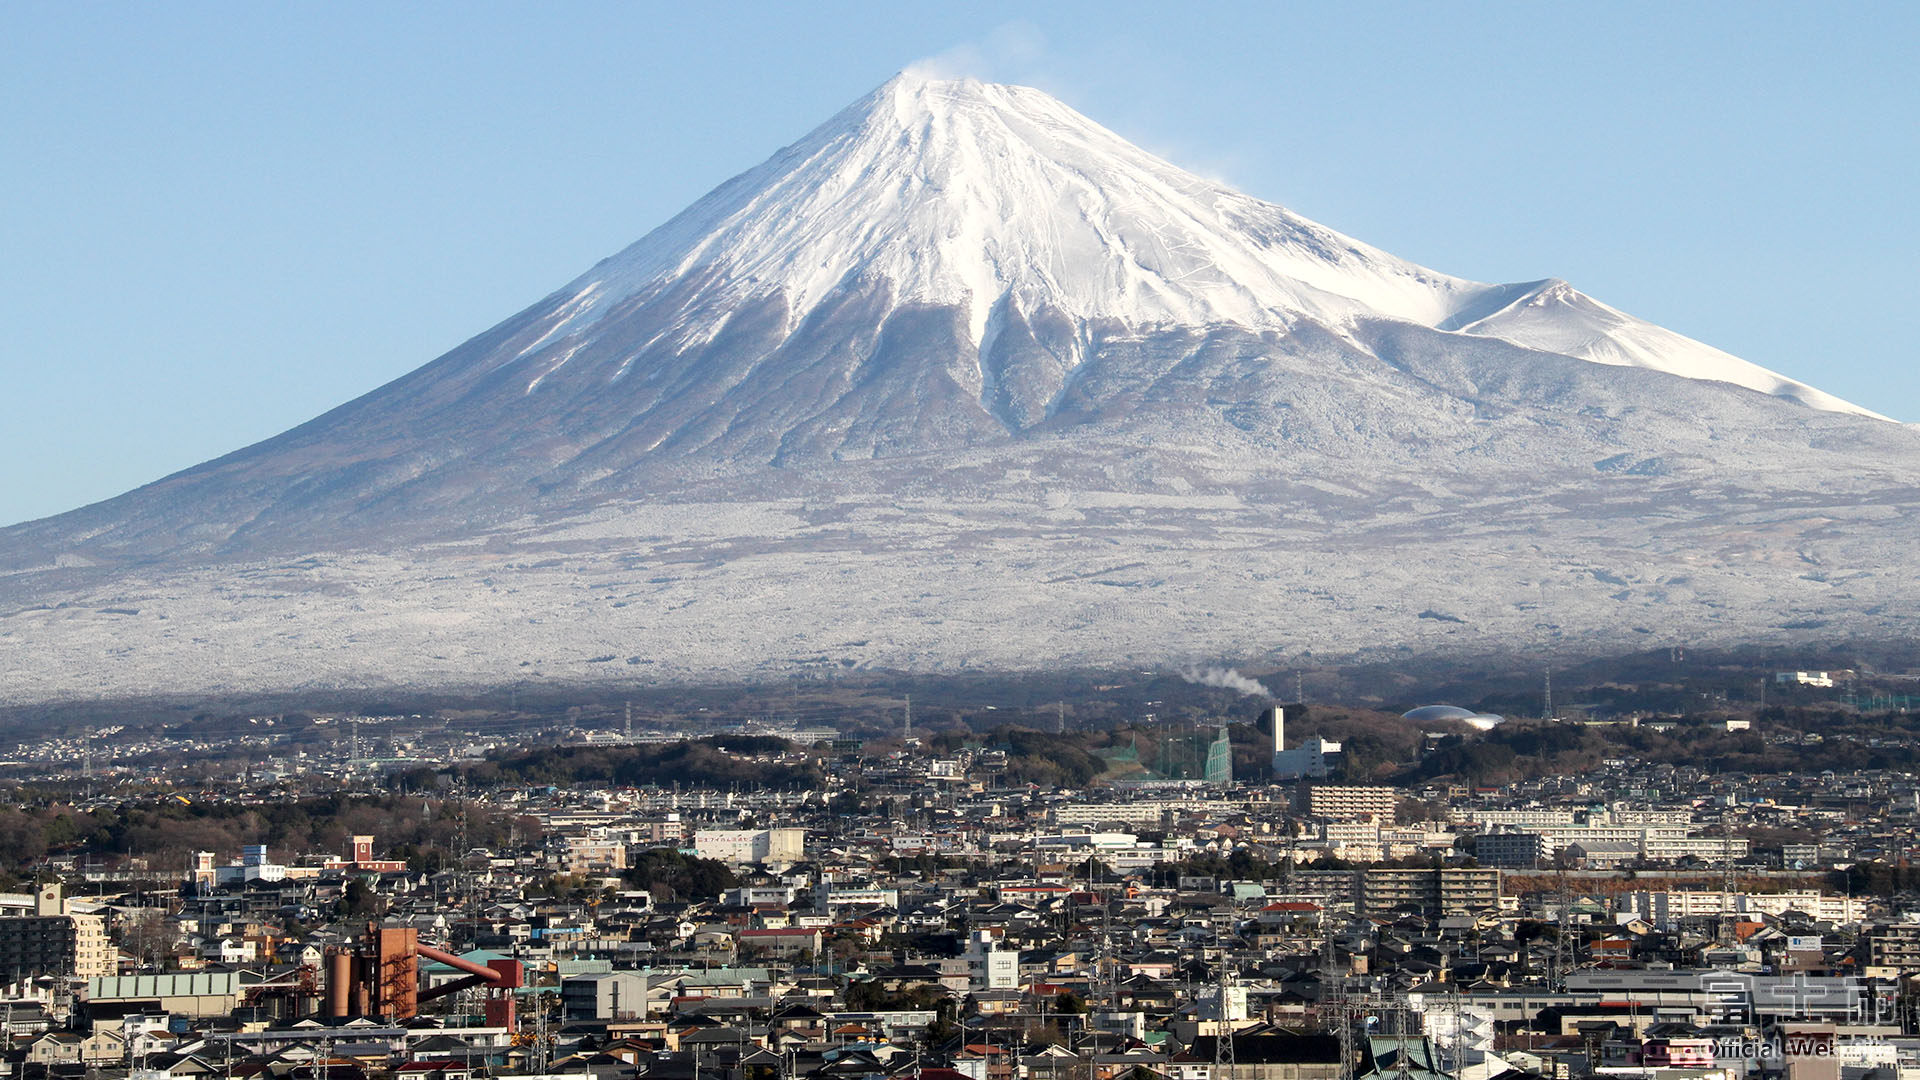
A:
[(184, 984)]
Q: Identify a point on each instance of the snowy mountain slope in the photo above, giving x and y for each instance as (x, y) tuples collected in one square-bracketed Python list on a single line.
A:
[(1553, 316), (907, 394)]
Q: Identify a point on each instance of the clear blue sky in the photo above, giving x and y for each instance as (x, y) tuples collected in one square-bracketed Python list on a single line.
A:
[(219, 220)]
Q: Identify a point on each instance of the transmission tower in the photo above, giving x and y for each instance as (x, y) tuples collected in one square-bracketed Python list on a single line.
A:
[(1727, 883), (1563, 954), (1445, 1007), (1223, 1060), (1343, 1018)]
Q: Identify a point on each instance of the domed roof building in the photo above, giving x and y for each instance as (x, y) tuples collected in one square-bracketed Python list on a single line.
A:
[(1428, 714)]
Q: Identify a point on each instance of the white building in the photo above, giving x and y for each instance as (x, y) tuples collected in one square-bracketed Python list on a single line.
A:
[(990, 967), (254, 865), (1308, 760), (1662, 908), (751, 845)]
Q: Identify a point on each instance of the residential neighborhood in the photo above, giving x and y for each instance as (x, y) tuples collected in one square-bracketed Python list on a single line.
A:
[(917, 912)]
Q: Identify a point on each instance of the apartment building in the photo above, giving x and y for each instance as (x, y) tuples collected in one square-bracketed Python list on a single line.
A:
[(1351, 802), (1435, 890), (54, 940), (751, 845)]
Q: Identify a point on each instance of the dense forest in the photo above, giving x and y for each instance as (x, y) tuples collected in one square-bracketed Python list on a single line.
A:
[(427, 833), (1782, 741), (719, 762), (673, 875)]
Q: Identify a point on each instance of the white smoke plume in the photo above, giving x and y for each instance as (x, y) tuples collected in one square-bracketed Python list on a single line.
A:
[(1226, 678)]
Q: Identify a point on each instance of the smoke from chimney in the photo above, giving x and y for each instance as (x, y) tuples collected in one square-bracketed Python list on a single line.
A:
[(1227, 679)]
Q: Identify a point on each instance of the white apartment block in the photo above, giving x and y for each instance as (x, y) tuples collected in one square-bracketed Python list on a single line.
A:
[(1662, 908), (751, 845)]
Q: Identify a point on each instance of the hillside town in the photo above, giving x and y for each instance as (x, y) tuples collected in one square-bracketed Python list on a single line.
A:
[(916, 912)]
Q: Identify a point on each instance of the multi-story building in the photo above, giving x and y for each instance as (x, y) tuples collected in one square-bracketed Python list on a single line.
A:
[(1140, 813), (590, 854), (990, 967), (1515, 850), (1347, 802), (1646, 843), (1334, 887), (1662, 908), (1441, 890), (607, 995), (1531, 817), (751, 845), (54, 941), (669, 829), (1894, 945)]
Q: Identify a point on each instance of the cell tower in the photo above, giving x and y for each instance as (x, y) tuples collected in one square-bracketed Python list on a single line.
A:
[(629, 723), (1546, 699)]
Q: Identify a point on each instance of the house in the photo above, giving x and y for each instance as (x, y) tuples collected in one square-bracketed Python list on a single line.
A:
[(440, 1069), (102, 1047), (782, 941), (611, 995)]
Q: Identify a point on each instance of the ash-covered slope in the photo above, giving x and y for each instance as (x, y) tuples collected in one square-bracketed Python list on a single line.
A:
[(1057, 350)]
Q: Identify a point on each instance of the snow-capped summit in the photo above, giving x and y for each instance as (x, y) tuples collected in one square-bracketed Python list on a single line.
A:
[(964, 192), (970, 194)]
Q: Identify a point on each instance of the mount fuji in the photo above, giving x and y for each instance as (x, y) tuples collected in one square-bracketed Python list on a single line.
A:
[(963, 381)]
